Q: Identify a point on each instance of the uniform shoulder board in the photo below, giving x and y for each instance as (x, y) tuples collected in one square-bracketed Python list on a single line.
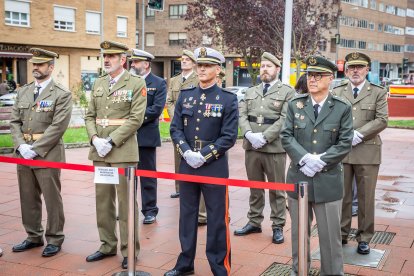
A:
[(287, 85), (343, 83), (27, 84), (377, 85), (340, 99), (136, 76), (227, 90), (60, 86), (187, 89), (300, 96), (176, 75)]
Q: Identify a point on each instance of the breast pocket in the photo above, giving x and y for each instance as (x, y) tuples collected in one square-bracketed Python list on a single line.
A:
[(97, 97), (23, 109), (369, 110), (299, 131), (187, 113), (276, 103), (331, 132), (45, 116), (251, 100)]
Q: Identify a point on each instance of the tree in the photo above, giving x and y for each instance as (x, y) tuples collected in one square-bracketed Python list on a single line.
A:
[(250, 27)]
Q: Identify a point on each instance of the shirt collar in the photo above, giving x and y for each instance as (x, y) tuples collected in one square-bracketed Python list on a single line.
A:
[(118, 76), (146, 75), (359, 86), (271, 83), (43, 84), (321, 103), (188, 75)]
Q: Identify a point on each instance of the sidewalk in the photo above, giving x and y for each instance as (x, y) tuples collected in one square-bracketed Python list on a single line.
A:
[(251, 255)]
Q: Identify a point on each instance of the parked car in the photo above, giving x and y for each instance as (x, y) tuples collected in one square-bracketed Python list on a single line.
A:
[(396, 81), (239, 91), (8, 99)]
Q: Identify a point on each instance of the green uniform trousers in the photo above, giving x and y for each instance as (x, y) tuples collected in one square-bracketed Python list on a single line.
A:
[(259, 166), (106, 195), (33, 182), (366, 181)]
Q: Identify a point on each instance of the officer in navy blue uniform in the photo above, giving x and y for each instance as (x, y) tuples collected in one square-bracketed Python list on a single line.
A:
[(148, 134), (203, 129)]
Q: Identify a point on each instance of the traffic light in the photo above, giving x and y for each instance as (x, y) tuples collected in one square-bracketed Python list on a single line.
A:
[(405, 62), (157, 5)]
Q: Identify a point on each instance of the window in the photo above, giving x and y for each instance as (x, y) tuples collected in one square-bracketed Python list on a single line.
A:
[(393, 48), (177, 38), (363, 24), (348, 43), (121, 29), (322, 45), (136, 11), (17, 13), (393, 30), (409, 30), (362, 45), (373, 5), (136, 38), (177, 11), (150, 14), (400, 12), (371, 46), (410, 12), (93, 22), (409, 48), (372, 26), (380, 27), (362, 3), (381, 7), (149, 39), (64, 19)]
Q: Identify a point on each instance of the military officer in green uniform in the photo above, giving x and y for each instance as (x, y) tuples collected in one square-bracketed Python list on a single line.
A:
[(262, 115), (317, 135), (116, 111), (40, 116), (186, 79), (370, 117)]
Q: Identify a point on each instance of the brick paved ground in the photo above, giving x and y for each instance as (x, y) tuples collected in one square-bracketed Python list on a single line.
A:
[(251, 255)]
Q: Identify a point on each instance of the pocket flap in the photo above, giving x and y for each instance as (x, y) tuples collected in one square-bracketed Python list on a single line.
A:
[(331, 127), (98, 93), (24, 105), (300, 124), (368, 106), (187, 112)]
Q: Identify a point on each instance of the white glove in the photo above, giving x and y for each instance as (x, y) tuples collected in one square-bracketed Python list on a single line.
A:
[(103, 147), (308, 171), (194, 159), (357, 138), (26, 151), (256, 139), (314, 161)]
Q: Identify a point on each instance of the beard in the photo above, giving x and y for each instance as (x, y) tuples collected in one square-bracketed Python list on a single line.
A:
[(267, 78), (133, 71), (39, 75)]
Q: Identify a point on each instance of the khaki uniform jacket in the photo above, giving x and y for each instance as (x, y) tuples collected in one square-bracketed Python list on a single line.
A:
[(330, 133), (49, 115), (175, 86), (271, 106), (370, 117), (126, 100)]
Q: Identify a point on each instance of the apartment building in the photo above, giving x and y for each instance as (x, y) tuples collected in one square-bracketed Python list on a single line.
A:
[(73, 29)]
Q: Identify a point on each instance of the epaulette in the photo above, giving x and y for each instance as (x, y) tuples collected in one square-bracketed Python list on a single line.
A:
[(340, 99), (176, 75), (288, 86), (103, 75), (27, 84), (300, 96), (59, 85), (136, 76), (377, 85), (343, 83), (227, 90), (187, 89)]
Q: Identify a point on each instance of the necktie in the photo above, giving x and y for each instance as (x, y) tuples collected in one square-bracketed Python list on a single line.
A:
[(183, 79), (266, 87), (111, 83), (316, 110), (36, 93), (355, 92)]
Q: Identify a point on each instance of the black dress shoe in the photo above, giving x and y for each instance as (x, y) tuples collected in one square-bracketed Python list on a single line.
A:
[(97, 256), (175, 195), (248, 229), (175, 272), (278, 235), (363, 248), (149, 219), (125, 263), (50, 250), (344, 241), (25, 245)]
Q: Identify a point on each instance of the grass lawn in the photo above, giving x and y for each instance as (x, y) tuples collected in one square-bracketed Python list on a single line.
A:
[(401, 123)]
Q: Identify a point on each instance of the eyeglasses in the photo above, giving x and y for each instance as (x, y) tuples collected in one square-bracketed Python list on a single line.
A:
[(356, 67), (316, 76)]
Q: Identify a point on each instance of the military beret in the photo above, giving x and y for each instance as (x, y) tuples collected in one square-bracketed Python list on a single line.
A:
[(41, 55), (320, 64), (112, 47), (141, 55), (269, 57), (357, 58), (189, 54), (209, 56)]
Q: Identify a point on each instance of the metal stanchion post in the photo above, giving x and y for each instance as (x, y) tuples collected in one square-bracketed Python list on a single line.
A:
[(132, 184), (303, 229)]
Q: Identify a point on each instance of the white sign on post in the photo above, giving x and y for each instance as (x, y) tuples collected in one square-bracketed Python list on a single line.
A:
[(106, 175)]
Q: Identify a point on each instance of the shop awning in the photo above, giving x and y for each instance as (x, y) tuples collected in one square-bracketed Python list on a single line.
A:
[(14, 55)]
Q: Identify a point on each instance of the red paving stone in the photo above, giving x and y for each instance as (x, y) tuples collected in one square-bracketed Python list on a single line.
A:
[(251, 255)]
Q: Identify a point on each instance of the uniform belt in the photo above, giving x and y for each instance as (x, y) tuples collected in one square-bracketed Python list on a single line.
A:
[(32, 137), (110, 122), (199, 144), (261, 120)]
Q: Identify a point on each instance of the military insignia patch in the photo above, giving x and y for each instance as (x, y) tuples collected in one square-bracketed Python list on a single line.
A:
[(203, 52), (144, 92), (106, 45), (312, 61), (299, 105), (302, 117), (217, 97), (355, 55), (36, 53), (203, 97), (277, 104), (297, 115)]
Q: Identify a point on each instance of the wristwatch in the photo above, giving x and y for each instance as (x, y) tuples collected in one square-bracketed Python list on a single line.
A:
[(109, 139)]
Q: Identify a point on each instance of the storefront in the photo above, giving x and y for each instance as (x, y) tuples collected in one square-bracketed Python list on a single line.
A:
[(13, 63)]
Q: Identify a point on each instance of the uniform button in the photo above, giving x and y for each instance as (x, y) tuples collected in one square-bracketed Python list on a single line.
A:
[(201, 103), (263, 99), (198, 119), (146, 117), (30, 119), (374, 143), (197, 129), (296, 126), (29, 129), (261, 107), (199, 111), (354, 108), (314, 141), (106, 107), (315, 130), (107, 98), (195, 137), (260, 124), (314, 152), (333, 130), (105, 117), (32, 108), (353, 118)]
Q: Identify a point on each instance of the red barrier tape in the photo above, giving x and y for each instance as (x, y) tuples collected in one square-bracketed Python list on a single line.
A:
[(155, 174)]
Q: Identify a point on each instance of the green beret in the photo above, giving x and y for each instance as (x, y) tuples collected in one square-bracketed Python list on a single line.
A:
[(112, 47), (271, 58), (357, 58), (320, 64), (41, 55)]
